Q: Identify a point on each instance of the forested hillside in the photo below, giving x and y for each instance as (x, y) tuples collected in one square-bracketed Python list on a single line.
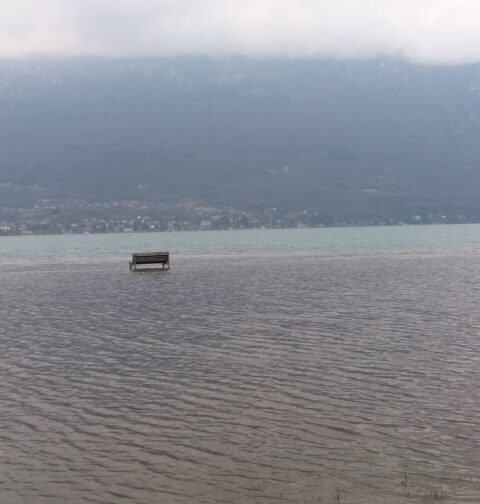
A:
[(376, 137)]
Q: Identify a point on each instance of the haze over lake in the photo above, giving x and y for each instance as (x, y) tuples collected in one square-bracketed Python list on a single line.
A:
[(327, 365)]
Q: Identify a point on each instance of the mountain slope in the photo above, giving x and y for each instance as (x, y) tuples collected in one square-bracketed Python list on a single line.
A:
[(368, 138)]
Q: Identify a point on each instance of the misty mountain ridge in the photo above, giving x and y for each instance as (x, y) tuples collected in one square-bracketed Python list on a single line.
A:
[(369, 138)]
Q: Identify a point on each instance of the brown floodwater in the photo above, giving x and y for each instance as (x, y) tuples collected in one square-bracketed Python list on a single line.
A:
[(269, 378)]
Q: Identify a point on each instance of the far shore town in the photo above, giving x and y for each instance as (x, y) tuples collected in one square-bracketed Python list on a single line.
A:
[(79, 217)]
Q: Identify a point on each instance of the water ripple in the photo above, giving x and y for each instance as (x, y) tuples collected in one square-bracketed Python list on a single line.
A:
[(268, 379)]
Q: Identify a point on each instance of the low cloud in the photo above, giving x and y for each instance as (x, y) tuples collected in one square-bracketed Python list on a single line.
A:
[(430, 31)]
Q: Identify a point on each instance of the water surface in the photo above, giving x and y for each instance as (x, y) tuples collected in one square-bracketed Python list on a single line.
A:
[(331, 365)]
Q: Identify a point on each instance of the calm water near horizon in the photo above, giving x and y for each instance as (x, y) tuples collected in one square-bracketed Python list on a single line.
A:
[(389, 239), (267, 366)]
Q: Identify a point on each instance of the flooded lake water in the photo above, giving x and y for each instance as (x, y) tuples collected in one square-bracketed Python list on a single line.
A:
[(289, 366)]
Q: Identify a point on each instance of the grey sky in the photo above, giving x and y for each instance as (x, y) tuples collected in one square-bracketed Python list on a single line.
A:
[(437, 31)]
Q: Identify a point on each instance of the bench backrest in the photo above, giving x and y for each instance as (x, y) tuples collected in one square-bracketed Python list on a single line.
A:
[(151, 258)]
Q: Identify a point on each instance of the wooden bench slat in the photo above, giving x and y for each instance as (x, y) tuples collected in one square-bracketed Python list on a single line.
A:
[(151, 258), (150, 262), (150, 254), (148, 258)]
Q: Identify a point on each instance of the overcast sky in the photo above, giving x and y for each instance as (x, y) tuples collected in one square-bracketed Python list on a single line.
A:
[(437, 31)]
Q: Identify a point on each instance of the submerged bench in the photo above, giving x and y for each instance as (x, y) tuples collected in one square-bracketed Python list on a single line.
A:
[(146, 258)]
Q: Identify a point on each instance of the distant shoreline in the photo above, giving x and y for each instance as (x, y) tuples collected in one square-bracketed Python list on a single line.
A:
[(265, 228)]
